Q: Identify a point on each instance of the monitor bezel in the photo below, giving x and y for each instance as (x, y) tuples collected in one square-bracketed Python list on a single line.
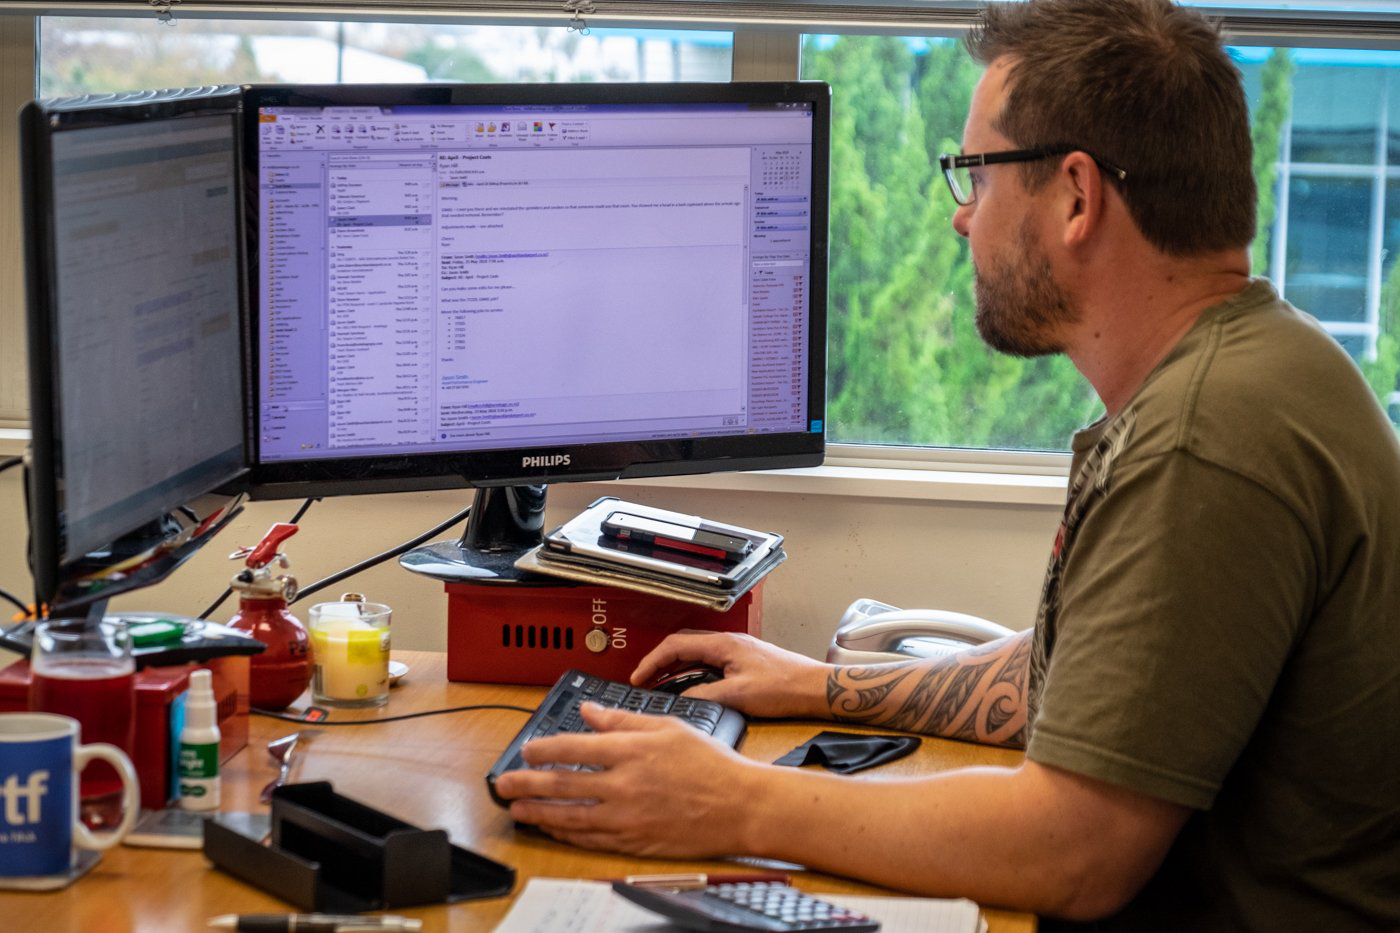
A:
[(586, 462), (158, 541)]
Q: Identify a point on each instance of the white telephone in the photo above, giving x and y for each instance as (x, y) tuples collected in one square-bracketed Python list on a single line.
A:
[(871, 632)]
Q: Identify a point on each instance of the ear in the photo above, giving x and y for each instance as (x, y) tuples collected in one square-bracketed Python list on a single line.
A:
[(1080, 202)]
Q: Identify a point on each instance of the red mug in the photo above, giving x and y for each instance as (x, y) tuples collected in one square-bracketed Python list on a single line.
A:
[(85, 670)]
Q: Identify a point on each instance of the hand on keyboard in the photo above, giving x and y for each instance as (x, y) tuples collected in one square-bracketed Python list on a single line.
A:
[(559, 714), (655, 785)]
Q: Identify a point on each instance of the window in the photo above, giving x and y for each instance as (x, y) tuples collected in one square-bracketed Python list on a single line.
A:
[(907, 367), (1336, 225), (79, 55), (905, 363)]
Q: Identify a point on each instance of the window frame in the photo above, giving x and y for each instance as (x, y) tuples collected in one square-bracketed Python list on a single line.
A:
[(767, 43)]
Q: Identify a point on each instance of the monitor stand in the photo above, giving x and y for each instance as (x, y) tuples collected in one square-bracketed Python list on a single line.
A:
[(505, 522)]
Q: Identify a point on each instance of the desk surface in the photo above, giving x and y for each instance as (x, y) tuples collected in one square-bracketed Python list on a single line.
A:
[(426, 771)]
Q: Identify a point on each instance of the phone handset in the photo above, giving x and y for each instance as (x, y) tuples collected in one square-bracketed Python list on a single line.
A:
[(872, 632)]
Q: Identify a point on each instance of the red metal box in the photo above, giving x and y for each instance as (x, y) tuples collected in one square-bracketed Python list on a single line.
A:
[(532, 634)]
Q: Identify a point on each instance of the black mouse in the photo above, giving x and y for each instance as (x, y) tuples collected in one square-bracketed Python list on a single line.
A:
[(682, 678)]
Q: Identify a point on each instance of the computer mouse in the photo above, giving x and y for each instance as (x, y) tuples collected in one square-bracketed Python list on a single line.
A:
[(680, 679)]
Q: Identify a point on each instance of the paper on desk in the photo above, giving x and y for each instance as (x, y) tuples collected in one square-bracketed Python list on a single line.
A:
[(916, 914), (557, 905)]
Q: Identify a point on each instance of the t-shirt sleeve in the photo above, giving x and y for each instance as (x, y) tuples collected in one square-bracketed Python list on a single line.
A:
[(1181, 598)]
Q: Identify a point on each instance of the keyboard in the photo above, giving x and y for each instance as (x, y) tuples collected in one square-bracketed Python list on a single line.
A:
[(559, 712)]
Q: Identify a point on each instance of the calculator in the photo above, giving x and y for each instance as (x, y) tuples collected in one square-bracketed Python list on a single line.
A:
[(745, 907)]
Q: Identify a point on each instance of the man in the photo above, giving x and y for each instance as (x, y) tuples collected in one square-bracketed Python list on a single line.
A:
[(1210, 698)]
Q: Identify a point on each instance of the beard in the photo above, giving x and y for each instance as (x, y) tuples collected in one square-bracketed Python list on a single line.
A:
[(1020, 306)]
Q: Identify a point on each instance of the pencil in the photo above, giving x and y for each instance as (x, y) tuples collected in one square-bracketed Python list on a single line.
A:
[(703, 879)]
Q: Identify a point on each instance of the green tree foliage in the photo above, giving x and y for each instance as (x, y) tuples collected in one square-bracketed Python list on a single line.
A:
[(906, 364), (449, 62), (1268, 117), (1382, 371)]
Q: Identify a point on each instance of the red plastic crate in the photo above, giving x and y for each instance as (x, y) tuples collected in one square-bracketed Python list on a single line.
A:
[(156, 689)]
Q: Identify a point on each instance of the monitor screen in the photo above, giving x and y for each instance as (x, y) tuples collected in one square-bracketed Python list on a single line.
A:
[(134, 288), (499, 284)]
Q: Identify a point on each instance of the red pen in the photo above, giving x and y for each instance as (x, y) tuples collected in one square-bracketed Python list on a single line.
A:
[(703, 879)]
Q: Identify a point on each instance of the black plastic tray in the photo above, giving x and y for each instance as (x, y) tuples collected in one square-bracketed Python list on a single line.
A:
[(332, 854)]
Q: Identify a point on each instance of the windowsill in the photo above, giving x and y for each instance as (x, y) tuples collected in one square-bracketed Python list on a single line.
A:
[(13, 441), (931, 484), (1039, 481)]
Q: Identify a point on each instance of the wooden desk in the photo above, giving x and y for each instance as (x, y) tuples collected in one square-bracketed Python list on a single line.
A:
[(427, 771)]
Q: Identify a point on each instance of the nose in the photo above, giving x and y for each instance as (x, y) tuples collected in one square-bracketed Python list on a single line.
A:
[(961, 216)]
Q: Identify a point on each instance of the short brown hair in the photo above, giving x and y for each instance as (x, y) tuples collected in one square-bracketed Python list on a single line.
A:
[(1144, 85)]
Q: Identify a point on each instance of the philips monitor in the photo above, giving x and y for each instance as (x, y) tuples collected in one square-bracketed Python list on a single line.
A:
[(514, 285), (134, 284)]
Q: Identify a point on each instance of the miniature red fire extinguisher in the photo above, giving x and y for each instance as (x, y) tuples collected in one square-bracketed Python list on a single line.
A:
[(278, 675)]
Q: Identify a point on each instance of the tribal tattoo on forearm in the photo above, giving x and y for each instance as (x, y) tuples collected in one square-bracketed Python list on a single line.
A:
[(978, 694)]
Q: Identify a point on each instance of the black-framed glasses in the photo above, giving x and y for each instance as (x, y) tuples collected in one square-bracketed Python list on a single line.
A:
[(957, 169)]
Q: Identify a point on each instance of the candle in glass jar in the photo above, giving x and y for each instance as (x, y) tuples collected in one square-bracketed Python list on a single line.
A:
[(350, 642)]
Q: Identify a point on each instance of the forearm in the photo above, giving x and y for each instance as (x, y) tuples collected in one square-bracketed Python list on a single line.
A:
[(1013, 838), (978, 694)]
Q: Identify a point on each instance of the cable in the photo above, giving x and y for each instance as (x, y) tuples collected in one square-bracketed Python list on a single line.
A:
[(374, 722), (5, 464), (305, 506), (5, 594), (380, 558), (228, 590)]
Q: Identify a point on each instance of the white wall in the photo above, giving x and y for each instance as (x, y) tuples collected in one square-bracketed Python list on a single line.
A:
[(986, 559)]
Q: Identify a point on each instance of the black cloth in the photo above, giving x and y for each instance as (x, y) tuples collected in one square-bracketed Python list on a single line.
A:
[(847, 752)]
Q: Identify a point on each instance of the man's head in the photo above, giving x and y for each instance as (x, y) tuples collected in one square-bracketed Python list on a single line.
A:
[(1144, 85)]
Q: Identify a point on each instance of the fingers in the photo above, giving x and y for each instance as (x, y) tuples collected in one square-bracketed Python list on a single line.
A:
[(678, 648), (597, 748), (719, 691), (554, 815), (607, 719), (573, 824)]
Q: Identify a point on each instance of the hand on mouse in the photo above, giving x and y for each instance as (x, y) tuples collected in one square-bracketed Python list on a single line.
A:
[(759, 679)]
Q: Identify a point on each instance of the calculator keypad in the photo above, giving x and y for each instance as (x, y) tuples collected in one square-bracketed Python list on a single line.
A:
[(795, 909)]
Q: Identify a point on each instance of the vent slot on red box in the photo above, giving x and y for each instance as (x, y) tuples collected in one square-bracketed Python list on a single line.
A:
[(537, 636)]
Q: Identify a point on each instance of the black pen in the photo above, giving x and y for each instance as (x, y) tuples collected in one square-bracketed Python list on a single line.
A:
[(315, 923)]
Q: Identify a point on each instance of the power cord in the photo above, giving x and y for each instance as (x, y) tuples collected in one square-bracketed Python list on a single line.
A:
[(380, 558), (7, 595), (287, 717), (228, 590), (5, 464)]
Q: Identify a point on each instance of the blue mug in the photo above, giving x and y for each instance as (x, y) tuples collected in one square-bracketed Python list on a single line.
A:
[(40, 759)]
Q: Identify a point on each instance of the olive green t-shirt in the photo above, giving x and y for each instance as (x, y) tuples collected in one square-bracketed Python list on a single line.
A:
[(1220, 626)]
